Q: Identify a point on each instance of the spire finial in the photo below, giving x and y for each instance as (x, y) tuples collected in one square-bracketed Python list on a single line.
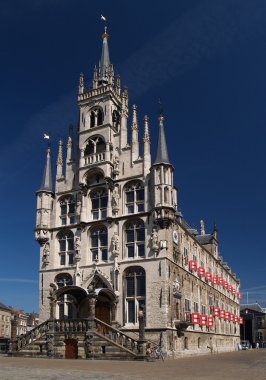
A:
[(59, 161), (161, 117), (146, 134), (134, 117), (202, 227)]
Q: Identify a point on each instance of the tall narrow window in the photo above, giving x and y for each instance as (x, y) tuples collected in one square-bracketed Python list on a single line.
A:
[(134, 198), (135, 293), (66, 248), (67, 211), (99, 244), (99, 200), (135, 240)]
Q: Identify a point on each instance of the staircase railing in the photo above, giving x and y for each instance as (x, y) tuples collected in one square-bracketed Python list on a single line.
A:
[(117, 337), (32, 335)]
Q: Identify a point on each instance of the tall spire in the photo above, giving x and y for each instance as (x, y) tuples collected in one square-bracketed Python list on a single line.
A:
[(59, 162), (105, 60), (47, 184), (162, 152)]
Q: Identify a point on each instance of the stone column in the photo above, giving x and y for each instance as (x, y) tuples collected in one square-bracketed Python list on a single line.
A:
[(91, 308), (142, 341)]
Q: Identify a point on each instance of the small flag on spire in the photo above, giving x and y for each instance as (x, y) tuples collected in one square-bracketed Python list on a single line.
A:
[(103, 18), (46, 137)]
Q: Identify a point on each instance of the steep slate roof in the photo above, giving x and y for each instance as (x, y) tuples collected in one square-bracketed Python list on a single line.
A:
[(204, 239), (162, 152), (105, 59), (47, 184), (4, 307), (252, 306)]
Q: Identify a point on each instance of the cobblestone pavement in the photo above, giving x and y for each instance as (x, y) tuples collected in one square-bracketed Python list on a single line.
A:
[(243, 365)]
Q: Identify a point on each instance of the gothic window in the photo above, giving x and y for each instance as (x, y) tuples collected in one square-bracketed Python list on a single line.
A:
[(135, 293), (95, 145), (96, 118), (66, 248), (63, 279), (67, 211), (134, 197), (99, 244), (99, 200), (135, 239)]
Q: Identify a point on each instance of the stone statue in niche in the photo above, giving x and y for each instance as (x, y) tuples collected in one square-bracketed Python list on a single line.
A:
[(115, 244), (116, 162), (46, 253), (115, 199), (78, 208), (155, 241), (77, 248), (176, 286)]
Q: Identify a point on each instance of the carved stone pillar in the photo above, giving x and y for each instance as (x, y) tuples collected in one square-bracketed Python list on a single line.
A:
[(91, 305), (142, 340)]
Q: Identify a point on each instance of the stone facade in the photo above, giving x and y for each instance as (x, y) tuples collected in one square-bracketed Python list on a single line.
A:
[(112, 226)]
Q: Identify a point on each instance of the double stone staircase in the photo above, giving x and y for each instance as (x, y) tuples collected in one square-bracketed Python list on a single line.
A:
[(78, 338)]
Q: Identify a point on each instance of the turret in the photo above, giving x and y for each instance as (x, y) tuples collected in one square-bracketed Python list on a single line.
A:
[(44, 202), (164, 194)]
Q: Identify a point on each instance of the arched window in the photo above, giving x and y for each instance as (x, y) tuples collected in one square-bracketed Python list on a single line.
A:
[(135, 293), (67, 211), (96, 118), (99, 200), (95, 145), (66, 248), (63, 279), (134, 197), (99, 244), (135, 240)]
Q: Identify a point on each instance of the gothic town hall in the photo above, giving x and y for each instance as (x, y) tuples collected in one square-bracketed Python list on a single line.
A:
[(115, 252)]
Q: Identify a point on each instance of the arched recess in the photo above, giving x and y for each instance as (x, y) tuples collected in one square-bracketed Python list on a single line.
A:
[(94, 176), (96, 117), (69, 300), (95, 144)]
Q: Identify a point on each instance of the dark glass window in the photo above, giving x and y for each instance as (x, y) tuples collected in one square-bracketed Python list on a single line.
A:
[(135, 289), (134, 198), (99, 239), (135, 239)]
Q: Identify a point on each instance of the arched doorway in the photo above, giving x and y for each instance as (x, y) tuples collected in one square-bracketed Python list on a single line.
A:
[(71, 349)]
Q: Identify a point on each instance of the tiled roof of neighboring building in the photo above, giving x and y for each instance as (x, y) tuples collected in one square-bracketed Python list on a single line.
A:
[(252, 306), (4, 307)]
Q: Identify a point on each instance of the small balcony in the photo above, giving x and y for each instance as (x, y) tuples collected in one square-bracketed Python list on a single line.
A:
[(94, 158)]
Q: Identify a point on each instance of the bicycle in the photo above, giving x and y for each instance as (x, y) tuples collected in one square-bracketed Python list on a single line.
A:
[(155, 352)]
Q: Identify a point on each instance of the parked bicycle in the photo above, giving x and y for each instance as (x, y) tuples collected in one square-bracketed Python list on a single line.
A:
[(154, 351)]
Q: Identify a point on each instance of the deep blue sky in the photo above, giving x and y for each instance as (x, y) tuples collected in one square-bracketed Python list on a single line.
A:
[(207, 61)]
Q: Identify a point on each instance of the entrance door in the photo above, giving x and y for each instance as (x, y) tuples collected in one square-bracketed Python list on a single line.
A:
[(102, 312), (71, 351)]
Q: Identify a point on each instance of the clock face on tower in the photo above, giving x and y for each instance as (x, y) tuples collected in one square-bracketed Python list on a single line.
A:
[(175, 237)]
